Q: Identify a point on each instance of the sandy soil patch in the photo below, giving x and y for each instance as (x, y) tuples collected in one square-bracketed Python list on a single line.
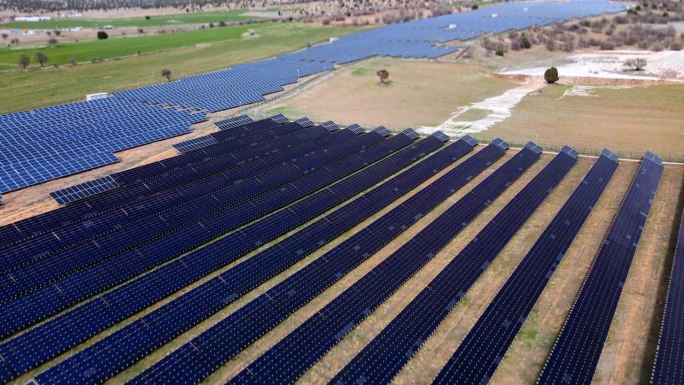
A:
[(664, 65)]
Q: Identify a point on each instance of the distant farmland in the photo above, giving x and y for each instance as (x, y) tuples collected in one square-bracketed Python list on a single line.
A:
[(154, 21)]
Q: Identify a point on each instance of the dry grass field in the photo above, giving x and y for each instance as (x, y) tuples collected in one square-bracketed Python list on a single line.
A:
[(627, 120), (419, 93)]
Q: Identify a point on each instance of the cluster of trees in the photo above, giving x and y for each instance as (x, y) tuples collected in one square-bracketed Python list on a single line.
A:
[(39, 57)]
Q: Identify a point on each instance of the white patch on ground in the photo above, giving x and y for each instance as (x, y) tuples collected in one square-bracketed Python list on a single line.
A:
[(499, 108), (664, 65), (587, 91)]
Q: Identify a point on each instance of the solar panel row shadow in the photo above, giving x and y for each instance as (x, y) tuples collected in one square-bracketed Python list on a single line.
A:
[(386, 354), (577, 349), (165, 323), (487, 342)]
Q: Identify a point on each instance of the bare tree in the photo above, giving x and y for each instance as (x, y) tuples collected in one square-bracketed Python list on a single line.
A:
[(53, 42), (636, 64), (41, 58), (24, 61), (383, 74), (5, 36), (166, 74), (58, 33)]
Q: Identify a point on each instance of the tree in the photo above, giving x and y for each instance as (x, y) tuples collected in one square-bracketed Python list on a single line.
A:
[(5, 36), (499, 51), (58, 33), (551, 75), (102, 35), (383, 74), (525, 42), (53, 42), (41, 58), (636, 64), (166, 74), (24, 61), (222, 23)]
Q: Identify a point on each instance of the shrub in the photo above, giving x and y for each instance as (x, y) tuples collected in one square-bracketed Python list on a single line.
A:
[(102, 35), (525, 42), (551, 75), (676, 46), (499, 51), (607, 46), (515, 45)]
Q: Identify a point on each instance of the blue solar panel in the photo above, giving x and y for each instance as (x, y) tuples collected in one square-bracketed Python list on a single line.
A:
[(382, 130), (195, 144), (577, 349), (479, 354), (279, 118), (292, 356), (305, 122), (330, 125), (83, 190), (669, 361), (234, 122), (385, 355), (216, 255)]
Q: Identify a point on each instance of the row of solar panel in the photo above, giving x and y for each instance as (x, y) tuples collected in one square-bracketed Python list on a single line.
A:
[(303, 208), (233, 334), (230, 285), (292, 356), (136, 227), (586, 327), (669, 361), (165, 241)]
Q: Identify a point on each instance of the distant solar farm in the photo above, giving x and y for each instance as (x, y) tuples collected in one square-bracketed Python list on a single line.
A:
[(260, 252)]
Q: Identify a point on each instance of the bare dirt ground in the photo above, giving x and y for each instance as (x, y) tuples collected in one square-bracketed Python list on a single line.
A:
[(419, 93)]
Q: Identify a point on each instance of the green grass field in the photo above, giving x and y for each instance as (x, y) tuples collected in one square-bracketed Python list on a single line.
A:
[(25, 90), (129, 45), (155, 21)]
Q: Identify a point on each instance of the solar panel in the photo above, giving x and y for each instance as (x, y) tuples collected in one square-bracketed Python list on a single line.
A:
[(470, 140), (195, 144), (609, 154), (305, 122), (279, 118), (355, 128), (382, 130), (570, 151), (534, 147), (330, 125), (441, 136), (234, 122), (84, 190), (500, 143), (410, 133)]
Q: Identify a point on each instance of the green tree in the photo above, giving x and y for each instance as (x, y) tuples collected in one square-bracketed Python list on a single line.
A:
[(41, 58), (102, 35), (24, 61), (551, 75), (383, 74)]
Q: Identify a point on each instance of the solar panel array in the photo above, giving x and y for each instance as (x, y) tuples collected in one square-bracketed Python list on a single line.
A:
[(293, 355), (486, 344), (84, 190), (386, 354), (79, 278), (71, 274), (52, 142), (233, 334), (669, 361), (576, 351)]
